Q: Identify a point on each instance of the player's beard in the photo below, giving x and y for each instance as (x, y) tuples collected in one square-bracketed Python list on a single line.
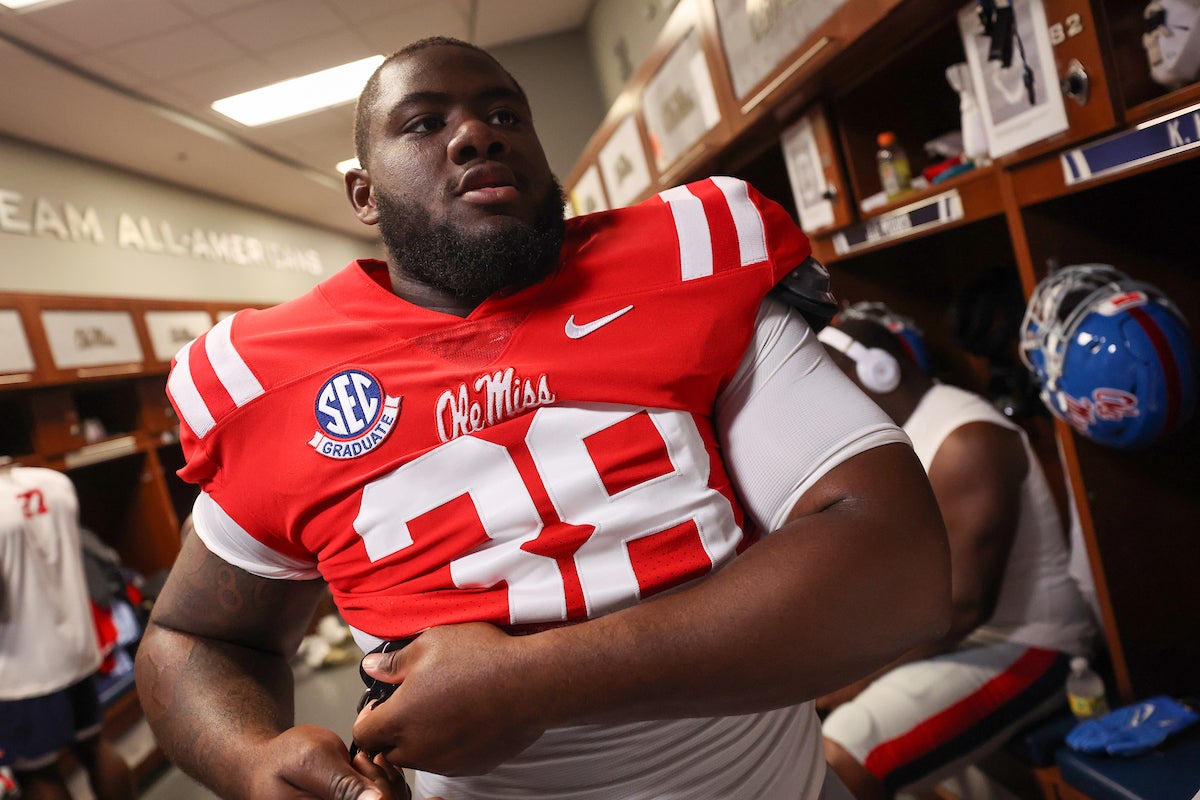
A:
[(473, 267)]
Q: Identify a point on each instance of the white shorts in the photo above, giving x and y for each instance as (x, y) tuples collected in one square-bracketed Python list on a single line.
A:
[(925, 720)]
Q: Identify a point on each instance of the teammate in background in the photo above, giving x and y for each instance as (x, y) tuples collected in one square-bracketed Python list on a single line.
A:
[(1018, 616), (548, 452), (48, 648)]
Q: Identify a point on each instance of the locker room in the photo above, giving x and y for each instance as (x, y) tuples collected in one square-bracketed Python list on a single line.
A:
[(866, 467)]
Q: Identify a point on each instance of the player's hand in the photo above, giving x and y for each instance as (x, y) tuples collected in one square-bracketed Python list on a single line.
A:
[(461, 707), (308, 762)]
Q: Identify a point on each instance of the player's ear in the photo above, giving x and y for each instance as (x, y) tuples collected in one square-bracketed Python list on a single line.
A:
[(361, 194)]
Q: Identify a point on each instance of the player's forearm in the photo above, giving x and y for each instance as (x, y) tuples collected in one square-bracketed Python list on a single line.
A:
[(825, 600), (210, 705)]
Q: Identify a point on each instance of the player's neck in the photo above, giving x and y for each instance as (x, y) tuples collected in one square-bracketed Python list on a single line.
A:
[(429, 297)]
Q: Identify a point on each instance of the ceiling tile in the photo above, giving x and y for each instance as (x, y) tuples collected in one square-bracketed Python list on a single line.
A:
[(212, 8), (269, 25), (389, 34), (339, 47), (176, 52), (213, 83), (25, 29), (101, 24), (367, 11)]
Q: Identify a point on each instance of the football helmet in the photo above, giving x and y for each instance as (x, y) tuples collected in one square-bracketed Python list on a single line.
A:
[(1113, 355)]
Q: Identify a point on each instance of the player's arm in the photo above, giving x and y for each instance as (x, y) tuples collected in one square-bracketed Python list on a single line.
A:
[(217, 689), (976, 477), (855, 574)]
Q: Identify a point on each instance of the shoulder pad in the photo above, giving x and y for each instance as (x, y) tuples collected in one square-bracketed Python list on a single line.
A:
[(806, 288)]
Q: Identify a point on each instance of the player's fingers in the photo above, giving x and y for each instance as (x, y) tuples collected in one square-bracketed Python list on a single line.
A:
[(388, 779), (389, 667), (321, 767)]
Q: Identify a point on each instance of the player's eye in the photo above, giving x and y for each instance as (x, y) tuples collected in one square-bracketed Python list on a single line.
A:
[(505, 117), (426, 123)]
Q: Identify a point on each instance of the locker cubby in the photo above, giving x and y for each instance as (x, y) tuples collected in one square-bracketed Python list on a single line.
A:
[(114, 406), (119, 501), (1066, 198), (16, 425), (1134, 87), (182, 494), (908, 95), (1143, 504)]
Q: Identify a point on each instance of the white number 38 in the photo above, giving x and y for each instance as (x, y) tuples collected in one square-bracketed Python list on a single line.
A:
[(637, 479)]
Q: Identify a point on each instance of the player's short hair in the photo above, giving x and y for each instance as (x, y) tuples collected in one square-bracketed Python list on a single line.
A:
[(370, 93)]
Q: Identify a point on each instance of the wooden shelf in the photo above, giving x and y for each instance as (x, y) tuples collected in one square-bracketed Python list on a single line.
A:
[(1071, 197), (83, 391)]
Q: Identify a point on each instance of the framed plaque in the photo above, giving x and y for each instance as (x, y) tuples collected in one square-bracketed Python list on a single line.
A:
[(171, 330), (1021, 103), (758, 36), (679, 103), (91, 338), (806, 172), (588, 193), (15, 355), (623, 164)]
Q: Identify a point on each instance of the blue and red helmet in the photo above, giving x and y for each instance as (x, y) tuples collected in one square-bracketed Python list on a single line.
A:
[(1113, 355)]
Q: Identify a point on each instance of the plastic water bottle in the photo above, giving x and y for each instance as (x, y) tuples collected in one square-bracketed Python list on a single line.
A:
[(1085, 691), (894, 171)]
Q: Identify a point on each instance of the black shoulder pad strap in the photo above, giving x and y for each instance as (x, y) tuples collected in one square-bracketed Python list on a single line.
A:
[(806, 288)]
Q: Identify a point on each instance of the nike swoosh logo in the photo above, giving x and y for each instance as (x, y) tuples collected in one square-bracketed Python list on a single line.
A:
[(574, 331)]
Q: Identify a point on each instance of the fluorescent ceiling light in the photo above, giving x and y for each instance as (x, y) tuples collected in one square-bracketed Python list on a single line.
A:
[(347, 165), (296, 96), (25, 3)]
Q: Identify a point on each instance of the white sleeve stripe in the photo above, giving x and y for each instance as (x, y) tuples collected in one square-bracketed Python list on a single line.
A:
[(751, 232), (186, 396), (232, 371), (691, 229), (230, 541)]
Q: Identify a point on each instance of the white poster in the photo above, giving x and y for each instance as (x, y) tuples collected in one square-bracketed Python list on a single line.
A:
[(807, 176), (171, 330), (91, 338), (623, 165), (758, 35), (1021, 103), (587, 195), (679, 103), (15, 355)]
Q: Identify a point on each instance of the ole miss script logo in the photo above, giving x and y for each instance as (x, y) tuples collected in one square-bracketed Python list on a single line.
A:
[(354, 415)]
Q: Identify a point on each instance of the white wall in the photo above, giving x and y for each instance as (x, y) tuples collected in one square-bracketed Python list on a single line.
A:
[(556, 73), (69, 226)]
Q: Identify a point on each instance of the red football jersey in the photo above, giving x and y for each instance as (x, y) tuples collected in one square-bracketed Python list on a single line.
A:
[(549, 457)]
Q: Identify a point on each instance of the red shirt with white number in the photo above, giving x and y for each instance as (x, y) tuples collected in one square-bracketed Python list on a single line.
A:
[(550, 457)]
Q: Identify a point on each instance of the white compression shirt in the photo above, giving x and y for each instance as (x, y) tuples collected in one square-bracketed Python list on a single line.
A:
[(790, 415)]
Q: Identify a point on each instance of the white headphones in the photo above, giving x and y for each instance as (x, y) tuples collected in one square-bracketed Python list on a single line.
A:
[(877, 369)]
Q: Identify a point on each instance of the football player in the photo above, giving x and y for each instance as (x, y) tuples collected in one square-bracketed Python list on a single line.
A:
[(49, 656), (606, 493), (1018, 615)]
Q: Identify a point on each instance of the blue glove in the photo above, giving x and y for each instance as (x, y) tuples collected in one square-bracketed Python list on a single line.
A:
[(1133, 729)]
